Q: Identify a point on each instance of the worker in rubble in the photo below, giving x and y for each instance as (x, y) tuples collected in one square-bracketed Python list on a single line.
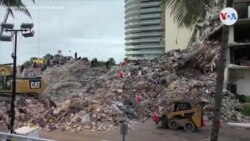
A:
[(51, 62), (156, 118), (18, 73), (24, 73), (92, 63), (129, 74), (108, 64), (161, 110), (48, 62), (43, 67), (139, 73), (22, 68), (96, 62), (34, 65), (75, 55), (61, 60), (121, 74), (138, 99), (159, 116)]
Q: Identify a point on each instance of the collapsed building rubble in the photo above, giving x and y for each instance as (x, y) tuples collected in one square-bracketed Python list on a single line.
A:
[(85, 98)]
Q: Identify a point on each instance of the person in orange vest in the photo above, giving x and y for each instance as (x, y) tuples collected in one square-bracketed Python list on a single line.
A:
[(121, 74), (156, 118), (138, 99)]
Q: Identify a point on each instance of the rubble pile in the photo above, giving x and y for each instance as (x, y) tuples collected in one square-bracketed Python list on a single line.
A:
[(85, 98), (71, 79), (76, 113)]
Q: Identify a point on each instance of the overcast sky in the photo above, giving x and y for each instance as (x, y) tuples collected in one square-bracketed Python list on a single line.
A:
[(92, 28)]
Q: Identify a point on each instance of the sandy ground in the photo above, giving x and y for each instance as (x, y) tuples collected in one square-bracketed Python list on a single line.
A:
[(147, 132)]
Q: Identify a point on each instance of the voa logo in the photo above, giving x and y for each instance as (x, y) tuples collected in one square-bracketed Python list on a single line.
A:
[(228, 16)]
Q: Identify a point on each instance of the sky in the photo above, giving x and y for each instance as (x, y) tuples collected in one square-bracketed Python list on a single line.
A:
[(92, 28)]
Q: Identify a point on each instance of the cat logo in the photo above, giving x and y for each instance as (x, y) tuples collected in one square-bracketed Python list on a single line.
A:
[(35, 84)]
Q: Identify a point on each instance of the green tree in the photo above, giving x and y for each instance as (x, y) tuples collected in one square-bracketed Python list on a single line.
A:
[(112, 61), (187, 13), (30, 62), (17, 5), (47, 56), (27, 63), (33, 58)]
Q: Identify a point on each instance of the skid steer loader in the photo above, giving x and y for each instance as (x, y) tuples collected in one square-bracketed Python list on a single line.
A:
[(184, 115)]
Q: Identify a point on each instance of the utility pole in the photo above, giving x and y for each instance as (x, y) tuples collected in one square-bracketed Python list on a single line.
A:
[(13, 98)]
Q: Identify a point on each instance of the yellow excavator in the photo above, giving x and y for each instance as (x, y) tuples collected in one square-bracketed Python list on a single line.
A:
[(30, 86)]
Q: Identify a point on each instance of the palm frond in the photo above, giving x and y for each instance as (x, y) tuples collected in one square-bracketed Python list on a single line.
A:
[(16, 4), (11, 12), (187, 12), (23, 9)]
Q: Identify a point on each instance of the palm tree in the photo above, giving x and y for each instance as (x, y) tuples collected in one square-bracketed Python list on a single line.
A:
[(17, 5), (220, 79), (186, 13)]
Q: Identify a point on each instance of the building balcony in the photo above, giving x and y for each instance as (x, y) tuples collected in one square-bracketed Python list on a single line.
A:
[(240, 54), (243, 9), (142, 29), (144, 52), (144, 40), (236, 67), (148, 22), (140, 35), (130, 57), (144, 47), (239, 44), (131, 2), (242, 31), (143, 11), (142, 5), (143, 17), (243, 22), (241, 1), (132, 50)]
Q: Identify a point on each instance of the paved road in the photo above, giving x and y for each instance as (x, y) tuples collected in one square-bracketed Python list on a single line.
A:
[(147, 132)]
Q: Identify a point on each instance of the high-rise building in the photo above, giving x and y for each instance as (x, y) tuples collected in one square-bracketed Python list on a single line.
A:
[(144, 29)]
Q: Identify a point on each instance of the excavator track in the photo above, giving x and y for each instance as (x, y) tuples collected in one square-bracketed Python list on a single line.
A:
[(6, 97), (20, 99)]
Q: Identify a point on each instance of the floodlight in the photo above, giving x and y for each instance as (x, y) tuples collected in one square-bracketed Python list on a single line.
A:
[(28, 34), (5, 38), (7, 26), (27, 25)]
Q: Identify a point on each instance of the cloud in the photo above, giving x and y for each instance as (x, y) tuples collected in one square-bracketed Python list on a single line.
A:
[(92, 28)]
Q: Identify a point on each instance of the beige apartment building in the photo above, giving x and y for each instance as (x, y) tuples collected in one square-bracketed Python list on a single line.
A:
[(175, 37)]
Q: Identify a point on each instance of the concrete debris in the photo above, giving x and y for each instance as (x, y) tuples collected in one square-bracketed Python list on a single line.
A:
[(95, 98)]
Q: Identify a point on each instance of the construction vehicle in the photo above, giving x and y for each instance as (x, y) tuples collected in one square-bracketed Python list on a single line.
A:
[(31, 86), (184, 116)]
